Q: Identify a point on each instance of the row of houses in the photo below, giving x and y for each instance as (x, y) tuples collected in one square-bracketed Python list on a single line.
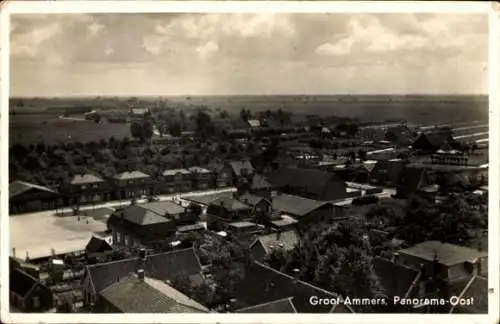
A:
[(91, 189)]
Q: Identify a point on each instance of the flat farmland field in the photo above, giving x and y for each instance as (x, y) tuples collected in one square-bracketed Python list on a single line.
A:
[(50, 129)]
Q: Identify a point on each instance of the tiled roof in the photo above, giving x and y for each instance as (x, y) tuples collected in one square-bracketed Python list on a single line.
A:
[(176, 171), (397, 279), (163, 207), (137, 215), (85, 179), (17, 188), (230, 204), (477, 289), (284, 305), (162, 266), (262, 284), (132, 295), (238, 166), (447, 254), (208, 199), (21, 282), (286, 240), (296, 205), (131, 175)]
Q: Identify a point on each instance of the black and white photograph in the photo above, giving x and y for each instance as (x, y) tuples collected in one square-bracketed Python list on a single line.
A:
[(271, 162)]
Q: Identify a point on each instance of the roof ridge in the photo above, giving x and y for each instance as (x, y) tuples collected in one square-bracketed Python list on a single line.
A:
[(269, 302), (298, 280)]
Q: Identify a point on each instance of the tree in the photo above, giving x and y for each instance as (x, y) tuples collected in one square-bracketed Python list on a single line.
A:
[(245, 114), (175, 129), (204, 124), (141, 130)]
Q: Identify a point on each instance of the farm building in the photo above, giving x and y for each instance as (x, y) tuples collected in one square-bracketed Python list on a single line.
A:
[(309, 183), (25, 197)]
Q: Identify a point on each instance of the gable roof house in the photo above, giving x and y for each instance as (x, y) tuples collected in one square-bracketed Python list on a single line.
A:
[(262, 285), (150, 224), (309, 183), (432, 141), (457, 262), (137, 293), (25, 197), (167, 266), (241, 170)]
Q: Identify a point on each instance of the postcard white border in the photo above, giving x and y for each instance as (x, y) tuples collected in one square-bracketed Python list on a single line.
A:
[(18, 7)]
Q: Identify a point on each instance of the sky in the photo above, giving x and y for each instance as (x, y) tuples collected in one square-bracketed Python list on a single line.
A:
[(263, 54)]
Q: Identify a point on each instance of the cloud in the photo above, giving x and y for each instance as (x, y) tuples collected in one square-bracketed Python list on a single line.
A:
[(247, 52), (207, 50)]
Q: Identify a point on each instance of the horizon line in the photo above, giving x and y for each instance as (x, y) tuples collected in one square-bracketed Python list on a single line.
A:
[(248, 95)]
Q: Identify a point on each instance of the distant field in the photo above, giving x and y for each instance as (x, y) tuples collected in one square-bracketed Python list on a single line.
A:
[(28, 127), (48, 128)]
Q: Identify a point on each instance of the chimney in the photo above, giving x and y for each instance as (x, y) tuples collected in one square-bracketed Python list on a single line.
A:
[(296, 272), (142, 254), (13, 252), (140, 274), (395, 257)]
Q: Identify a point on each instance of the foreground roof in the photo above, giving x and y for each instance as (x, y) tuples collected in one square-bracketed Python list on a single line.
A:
[(397, 279), (284, 305), (133, 295), (162, 266), (262, 284), (447, 254)]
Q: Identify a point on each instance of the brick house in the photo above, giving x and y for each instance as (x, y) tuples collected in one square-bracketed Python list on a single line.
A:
[(176, 180), (202, 178), (86, 189), (151, 225), (133, 184)]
